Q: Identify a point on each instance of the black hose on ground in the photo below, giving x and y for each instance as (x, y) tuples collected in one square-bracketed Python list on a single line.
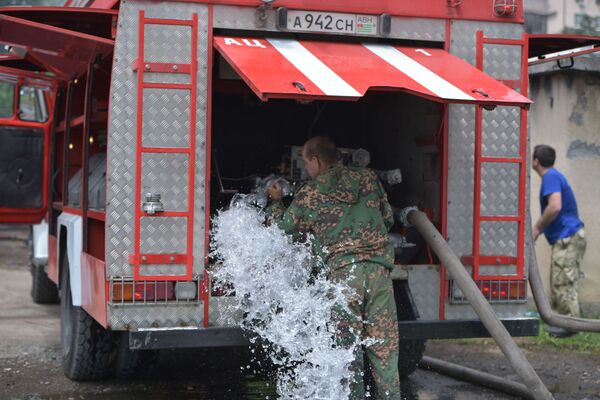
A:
[(477, 377), (486, 313), (543, 306)]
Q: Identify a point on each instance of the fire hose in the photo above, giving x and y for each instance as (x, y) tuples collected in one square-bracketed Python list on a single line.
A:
[(543, 306), (486, 313), (477, 377)]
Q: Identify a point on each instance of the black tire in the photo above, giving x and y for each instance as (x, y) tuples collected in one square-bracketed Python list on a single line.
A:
[(411, 354), (133, 363), (43, 290), (87, 348)]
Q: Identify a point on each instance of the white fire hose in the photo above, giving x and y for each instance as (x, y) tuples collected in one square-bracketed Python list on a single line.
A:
[(543, 306), (486, 313)]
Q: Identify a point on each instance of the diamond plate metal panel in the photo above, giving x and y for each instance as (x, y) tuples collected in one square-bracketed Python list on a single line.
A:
[(151, 316), (418, 29), (461, 128), (166, 118), (501, 132), (465, 311), (121, 154), (424, 282), (502, 61), (234, 17), (497, 270), (162, 269), (122, 132), (200, 231), (222, 311), (463, 39), (245, 18), (151, 77), (500, 189), (167, 175), (498, 238), (161, 235), (500, 138), (166, 43)]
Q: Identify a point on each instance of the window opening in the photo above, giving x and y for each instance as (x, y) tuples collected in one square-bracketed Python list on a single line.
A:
[(7, 103), (32, 105)]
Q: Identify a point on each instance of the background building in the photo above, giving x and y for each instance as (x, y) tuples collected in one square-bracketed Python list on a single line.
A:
[(563, 16), (566, 115)]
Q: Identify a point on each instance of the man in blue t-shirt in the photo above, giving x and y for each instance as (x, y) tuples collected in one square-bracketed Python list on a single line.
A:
[(563, 229)]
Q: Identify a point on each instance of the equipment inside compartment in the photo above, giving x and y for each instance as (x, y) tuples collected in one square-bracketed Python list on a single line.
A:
[(396, 134)]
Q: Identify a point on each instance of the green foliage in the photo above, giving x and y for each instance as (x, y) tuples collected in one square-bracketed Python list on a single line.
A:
[(7, 93), (583, 342)]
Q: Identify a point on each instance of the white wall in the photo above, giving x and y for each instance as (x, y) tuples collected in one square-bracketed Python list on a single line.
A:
[(566, 115), (564, 12)]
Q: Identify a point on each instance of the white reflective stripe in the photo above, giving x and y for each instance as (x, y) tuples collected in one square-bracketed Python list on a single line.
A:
[(320, 74), (73, 223), (426, 78), (40, 241)]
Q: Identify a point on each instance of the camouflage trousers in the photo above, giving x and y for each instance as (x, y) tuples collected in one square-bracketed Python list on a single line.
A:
[(372, 315), (566, 272)]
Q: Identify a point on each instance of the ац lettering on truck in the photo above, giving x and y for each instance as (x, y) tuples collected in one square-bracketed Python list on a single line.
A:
[(160, 112)]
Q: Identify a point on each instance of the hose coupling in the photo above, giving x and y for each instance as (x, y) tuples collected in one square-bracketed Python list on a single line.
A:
[(404, 215)]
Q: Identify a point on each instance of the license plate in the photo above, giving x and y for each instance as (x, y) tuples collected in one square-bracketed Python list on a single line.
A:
[(316, 21)]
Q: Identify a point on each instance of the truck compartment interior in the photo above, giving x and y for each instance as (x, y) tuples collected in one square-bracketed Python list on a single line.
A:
[(252, 139)]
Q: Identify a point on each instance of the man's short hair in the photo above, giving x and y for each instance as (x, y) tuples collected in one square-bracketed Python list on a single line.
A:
[(545, 154), (322, 147)]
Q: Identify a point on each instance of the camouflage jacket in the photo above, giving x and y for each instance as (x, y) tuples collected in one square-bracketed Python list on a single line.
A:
[(346, 214)]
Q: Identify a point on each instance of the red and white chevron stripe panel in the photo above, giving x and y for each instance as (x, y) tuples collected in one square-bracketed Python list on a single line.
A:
[(286, 68)]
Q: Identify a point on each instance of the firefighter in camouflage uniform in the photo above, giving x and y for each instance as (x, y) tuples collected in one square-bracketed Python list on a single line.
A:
[(346, 213)]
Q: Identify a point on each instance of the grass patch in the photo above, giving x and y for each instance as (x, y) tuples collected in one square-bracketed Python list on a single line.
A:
[(583, 342)]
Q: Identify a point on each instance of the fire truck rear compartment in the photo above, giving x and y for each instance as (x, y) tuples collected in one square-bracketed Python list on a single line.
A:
[(252, 138)]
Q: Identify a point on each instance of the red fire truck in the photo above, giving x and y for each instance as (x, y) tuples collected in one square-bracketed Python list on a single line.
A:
[(126, 124)]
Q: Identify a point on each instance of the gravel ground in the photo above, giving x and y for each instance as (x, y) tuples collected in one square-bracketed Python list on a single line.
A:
[(30, 358)]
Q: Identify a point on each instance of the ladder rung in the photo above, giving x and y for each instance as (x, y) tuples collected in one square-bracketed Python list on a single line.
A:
[(508, 160), (150, 259), (180, 150), (180, 86), (490, 260), (500, 218), (170, 214), (158, 21), (158, 67)]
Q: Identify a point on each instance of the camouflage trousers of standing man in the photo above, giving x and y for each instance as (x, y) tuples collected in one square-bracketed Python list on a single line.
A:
[(372, 315), (565, 273)]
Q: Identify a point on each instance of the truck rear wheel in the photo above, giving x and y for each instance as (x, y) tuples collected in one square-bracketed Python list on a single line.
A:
[(43, 290), (87, 348)]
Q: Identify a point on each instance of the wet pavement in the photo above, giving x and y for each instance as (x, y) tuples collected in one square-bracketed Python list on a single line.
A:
[(30, 359)]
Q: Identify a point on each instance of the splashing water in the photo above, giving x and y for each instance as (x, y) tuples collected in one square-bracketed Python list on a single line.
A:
[(284, 304)]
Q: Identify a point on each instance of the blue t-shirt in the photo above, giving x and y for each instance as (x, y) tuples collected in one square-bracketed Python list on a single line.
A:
[(567, 222)]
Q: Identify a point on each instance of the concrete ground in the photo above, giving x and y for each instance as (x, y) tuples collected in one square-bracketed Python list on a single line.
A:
[(30, 366)]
